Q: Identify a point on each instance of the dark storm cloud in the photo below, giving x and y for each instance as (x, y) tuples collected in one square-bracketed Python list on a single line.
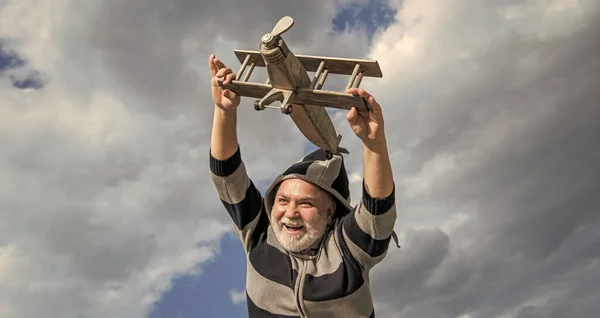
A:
[(106, 169), (533, 231)]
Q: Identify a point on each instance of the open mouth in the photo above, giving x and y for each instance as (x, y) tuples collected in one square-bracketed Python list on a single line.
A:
[(293, 229)]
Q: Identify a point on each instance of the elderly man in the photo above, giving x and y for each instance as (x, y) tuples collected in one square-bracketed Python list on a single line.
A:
[(309, 252)]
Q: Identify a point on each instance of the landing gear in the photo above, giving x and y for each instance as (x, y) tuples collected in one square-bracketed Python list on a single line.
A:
[(257, 106), (286, 109)]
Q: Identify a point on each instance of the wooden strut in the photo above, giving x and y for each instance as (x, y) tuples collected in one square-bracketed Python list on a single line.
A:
[(358, 80), (318, 80), (322, 79), (245, 79), (243, 67), (317, 75), (353, 76)]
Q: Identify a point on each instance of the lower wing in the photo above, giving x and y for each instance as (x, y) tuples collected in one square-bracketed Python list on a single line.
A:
[(302, 96)]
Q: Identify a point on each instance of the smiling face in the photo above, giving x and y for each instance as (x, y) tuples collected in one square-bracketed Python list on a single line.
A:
[(300, 214)]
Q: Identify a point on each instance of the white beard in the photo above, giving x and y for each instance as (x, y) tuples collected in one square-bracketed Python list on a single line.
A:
[(310, 233)]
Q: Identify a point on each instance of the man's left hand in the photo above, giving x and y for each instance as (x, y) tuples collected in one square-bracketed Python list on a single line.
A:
[(368, 126)]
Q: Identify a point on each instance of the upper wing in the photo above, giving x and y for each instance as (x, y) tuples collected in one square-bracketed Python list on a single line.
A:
[(342, 66)]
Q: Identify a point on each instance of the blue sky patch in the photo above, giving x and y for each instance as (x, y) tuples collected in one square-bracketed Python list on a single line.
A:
[(11, 61), (8, 59), (369, 15), (309, 147), (33, 80), (208, 295)]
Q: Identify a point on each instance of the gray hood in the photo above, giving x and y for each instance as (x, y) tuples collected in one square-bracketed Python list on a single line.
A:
[(329, 174)]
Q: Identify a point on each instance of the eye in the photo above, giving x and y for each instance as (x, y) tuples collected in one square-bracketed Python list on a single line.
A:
[(281, 201), (306, 204)]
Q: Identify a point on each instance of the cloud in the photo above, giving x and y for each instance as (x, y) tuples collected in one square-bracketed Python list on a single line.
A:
[(492, 121), (238, 296), (104, 195), (490, 116)]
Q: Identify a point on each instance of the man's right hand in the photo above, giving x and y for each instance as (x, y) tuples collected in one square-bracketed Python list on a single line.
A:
[(225, 100)]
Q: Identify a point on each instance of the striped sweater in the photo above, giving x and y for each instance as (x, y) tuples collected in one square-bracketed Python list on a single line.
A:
[(329, 281)]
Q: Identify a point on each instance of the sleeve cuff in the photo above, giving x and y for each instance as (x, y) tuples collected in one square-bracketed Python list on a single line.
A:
[(223, 168), (378, 206)]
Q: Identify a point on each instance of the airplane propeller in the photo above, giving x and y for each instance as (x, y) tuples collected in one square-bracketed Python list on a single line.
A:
[(281, 27)]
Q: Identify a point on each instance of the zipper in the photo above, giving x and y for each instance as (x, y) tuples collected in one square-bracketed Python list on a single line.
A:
[(298, 289)]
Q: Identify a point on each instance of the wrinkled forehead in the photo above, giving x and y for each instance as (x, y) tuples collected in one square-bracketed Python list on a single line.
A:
[(294, 187)]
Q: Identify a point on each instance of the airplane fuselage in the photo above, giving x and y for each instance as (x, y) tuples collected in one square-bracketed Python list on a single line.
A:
[(286, 72)]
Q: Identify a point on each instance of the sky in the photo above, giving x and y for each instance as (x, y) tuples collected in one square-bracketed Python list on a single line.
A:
[(492, 119)]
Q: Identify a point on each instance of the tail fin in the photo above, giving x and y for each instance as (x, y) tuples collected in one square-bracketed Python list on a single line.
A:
[(341, 149)]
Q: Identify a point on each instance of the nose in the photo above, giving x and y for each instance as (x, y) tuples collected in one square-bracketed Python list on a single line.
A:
[(291, 211)]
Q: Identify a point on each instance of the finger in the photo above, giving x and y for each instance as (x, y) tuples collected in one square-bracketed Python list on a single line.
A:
[(373, 104), (219, 64), (352, 91), (358, 91), (223, 72), (365, 95), (229, 94), (352, 116), (354, 120), (211, 65), (228, 78)]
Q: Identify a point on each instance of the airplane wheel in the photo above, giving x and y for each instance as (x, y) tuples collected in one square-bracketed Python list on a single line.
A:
[(328, 155), (286, 109), (256, 107)]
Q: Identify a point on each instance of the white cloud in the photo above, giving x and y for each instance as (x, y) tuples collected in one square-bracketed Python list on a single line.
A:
[(488, 103), (237, 296)]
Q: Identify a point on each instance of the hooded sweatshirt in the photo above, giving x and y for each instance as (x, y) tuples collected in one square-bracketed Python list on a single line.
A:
[(332, 279)]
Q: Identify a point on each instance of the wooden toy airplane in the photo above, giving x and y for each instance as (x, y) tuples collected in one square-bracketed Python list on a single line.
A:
[(300, 97)]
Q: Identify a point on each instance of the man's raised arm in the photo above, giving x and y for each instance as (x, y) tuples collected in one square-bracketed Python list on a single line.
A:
[(238, 194), (223, 142), (368, 229)]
